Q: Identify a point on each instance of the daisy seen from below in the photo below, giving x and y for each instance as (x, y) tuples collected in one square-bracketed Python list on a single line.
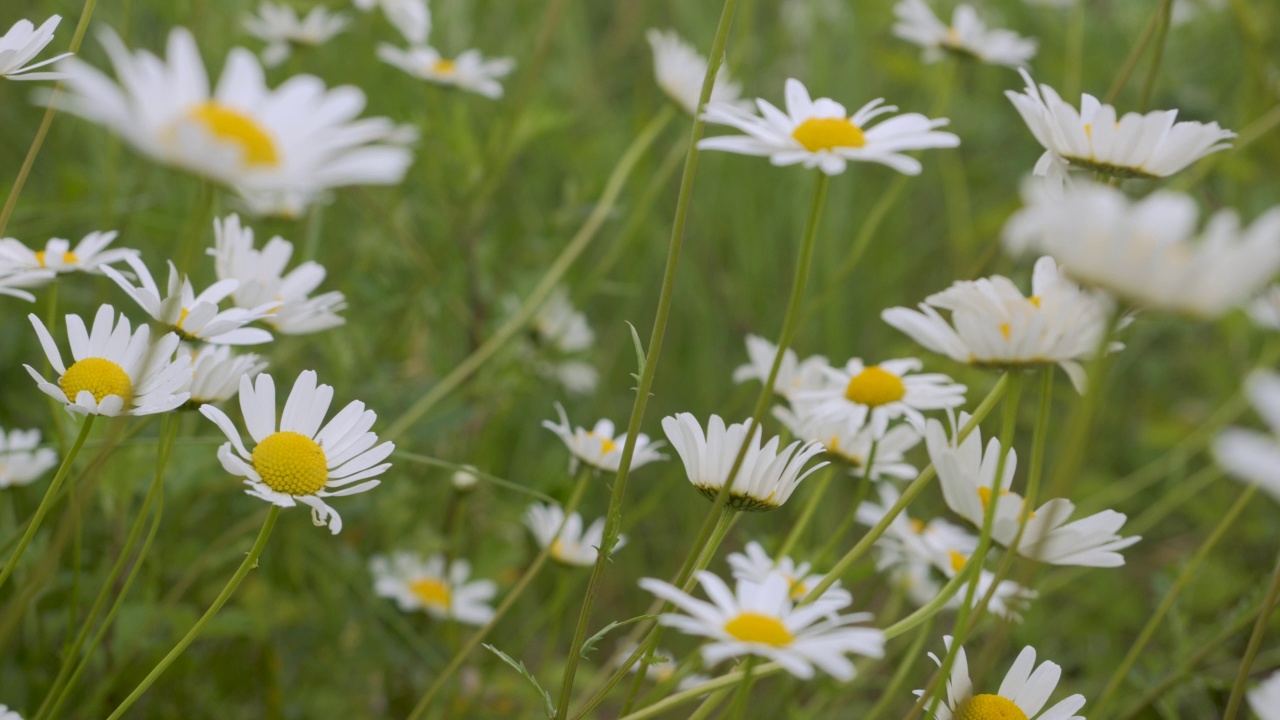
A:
[(299, 137), (873, 395), (1264, 699), (1252, 455), (281, 27), (599, 447), (469, 71), (967, 35), (993, 324), (761, 619), (1022, 695), (852, 445), (428, 585), (821, 134), (1095, 138), (21, 43), (572, 545), (22, 460), (116, 370), (768, 475), (794, 375), (297, 460), (216, 372), (679, 71), (411, 17), (1148, 252), (755, 565), (88, 255)]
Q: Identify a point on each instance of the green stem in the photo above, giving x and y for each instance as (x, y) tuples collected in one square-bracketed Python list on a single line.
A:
[(1075, 51), (850, 515), (1131, 62), (727, 680), (739, 708), (1165, 15), (811, 507), (892, 692), (927, 611), (709, 705), (1255, 641)]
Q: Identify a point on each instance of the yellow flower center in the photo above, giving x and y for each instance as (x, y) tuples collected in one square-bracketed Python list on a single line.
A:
[(444, 67), (607, 445), (957, 560), (828, 134), (432, 592), (182, 317), (1034, 300), (756, 628), (875, 386), (984, 493), (798, 589), (235, 127), (99, 376), (917, 526), (989, 707), (1006, 329), (291, 463), (558, 550), (68, 258)]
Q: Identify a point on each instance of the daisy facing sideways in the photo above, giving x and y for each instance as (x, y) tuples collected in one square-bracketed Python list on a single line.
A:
[(794, 375), (216, 372), (427, 585), (754, 565), (281, 27), (599, 447), (24, 41), (679, 70), (88, 255), (296, 460), (967, 35), (569, 543), (1022, 694), (468, 71)]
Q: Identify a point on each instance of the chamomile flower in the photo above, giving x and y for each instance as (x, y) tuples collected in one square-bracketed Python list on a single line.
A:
[(1265, 309), (755, 565), (873, 395), (679, 70), (296, 460), (852, 445), (768, 475), (599, 447), (300, 137), (262, 280), (22, 460), (216, 372), (411, 17), (192, 316), (281, 27), (89, 255), (571, 545), (1023, 693), (794, 375), (1249, 454), (1265, 698), (910, 549), (1147, 251), (761, 619), (820, 133), (992, 323), (967, 474), (469, 71), (428, 585), (966, 36), (1153, 145), (115, 371), (561, 330), (24, 41), (12, 285)]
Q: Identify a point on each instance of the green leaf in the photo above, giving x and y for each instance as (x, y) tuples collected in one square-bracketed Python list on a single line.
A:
[(640, 354), (590, 644), (519, 667)]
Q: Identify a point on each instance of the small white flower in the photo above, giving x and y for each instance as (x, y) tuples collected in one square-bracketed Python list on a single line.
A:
[(468, 71), (573, 545), (852, 445), (7, 714), (411, 17), (1265, 309), (755, 566), (820, 133), (967, 35), (1249, 454), (873, 395), (89, 255), (280, 27), (599, 447), (760, 619), (794, 375), (20, 44), (768, 475), (417, 584), (561, 330), (296, 460), (22, 460), (1265, 698), (116, 372), (216, 372), (1023, 693), (679, 70)]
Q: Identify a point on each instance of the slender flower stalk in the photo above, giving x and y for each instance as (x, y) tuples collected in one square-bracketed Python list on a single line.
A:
[(806, 515), (1255, 641)]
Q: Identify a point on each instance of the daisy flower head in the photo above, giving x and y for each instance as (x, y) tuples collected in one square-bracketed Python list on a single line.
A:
[(1248, 454), (599, 447), (861, 394), (296, 460), (562, 330), (216, 372), (1264, 699), (755, 565), (1094, 138), (993, 323), (794, 375), (851, 445), (116, 370), (571, 545), (820, 133), (679, 70), (411, 17), (1023, 693), (761, 619), (967, 35), (22, 460), (768, 475), (468, 71), (433, 586), (89, 255), (1148, 251), (24, 41), (300, 137), (281, 27)]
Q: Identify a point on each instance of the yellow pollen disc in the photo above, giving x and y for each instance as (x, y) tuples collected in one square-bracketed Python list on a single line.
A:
[(99, 376), (828, 134), (68, 258), (431, 592), (557, 549), (989, 707), (291, 463), (985, 494), (756, 628), (444, 67), (875, 386), (917, 526), (235, 127), (1034, 300), (957, 560), (1006, 329), (607, 445), (182, 317)]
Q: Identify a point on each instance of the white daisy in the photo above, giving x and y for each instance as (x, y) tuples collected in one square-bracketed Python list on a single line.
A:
[(755, 565), (599, 447), (679, 70), (794, 375), (820, 133), (417, 584), (761, 619), (468, 71), (89, 255), (281, 27), (21, 43), (572, 545), (7, 714), (768, 475), (852, 445), (911, 550), (967, 475), (22, 460), (1094, 138), (1265, 698), (1023, 693), (216, 372), (1147, 251), (1265, 309), (192, 316), (411, 17), (873, 395), (115, 371), (562, 330), (262, 280), (300, 137), (13, 284), (1249, 454), (967, 35), (296, 460), (992, 323)]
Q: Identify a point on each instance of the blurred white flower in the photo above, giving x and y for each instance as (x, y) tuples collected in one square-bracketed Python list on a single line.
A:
[(411, 17), (1023, 693), (794, 375), (20, 44), (679, 70), (861, 394), (89, 255), (561, 330), (1249, 454), (428, 585), (967, 35), (1264, 310), (573, 545), (22, 460), (755, 565), (468, 71), (1265, 698), (216, 371), (281, 27), (599, 447), (851, 445)]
